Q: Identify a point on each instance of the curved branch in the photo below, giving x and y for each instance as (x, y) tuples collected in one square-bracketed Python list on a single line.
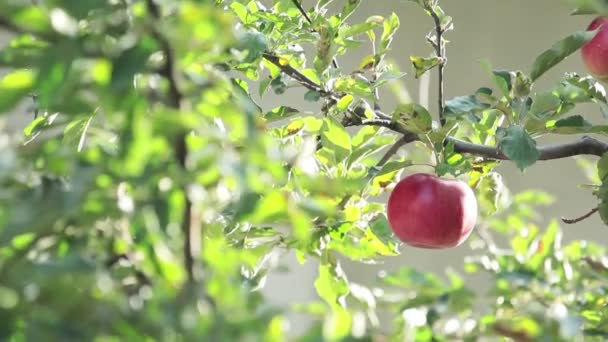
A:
[(580, 218), (584, 146)]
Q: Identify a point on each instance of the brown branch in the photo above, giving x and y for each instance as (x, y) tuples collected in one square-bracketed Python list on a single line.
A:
[(517, 336), (580, 218), (404, 140), (595, 265), (392, 125), (584, 146), (296, 75), (180, 147)]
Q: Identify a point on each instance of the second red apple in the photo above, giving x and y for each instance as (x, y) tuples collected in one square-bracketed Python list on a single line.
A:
[(595, 52)]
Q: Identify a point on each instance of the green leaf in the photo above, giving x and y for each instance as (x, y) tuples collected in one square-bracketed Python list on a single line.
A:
[(391, 24), (603, 209), (546, 246), (586, 7), (349, 7), (255, 43), (424, 64), (502, 78), (131, 62), (312, 96), (353, 86), (272, 207), (263, 86), (344, 102), (602, 167), (76, 131), (335, 138), (518, 146), (559, 51), (411, 279), (575, 124), (278, 86), (280, 113), (35, 126), (490, 193), (14, 87), (545, 104), (80, 9), (326, 46), (357, 29), (382, 229), (331, 284), (463, 105), (392, 166), (414, 116), (364, 135)]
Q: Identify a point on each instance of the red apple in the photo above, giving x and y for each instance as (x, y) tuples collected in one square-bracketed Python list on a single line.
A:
[(429, 212), (595, 52)]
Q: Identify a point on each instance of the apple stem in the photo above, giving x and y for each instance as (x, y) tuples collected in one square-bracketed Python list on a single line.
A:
[(581, 218)]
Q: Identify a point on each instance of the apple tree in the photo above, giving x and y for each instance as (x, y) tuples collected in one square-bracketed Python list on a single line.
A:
[(152, 192)]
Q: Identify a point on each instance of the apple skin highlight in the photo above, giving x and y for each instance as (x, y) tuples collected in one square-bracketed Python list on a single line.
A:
[(595, 52), (426, 211)]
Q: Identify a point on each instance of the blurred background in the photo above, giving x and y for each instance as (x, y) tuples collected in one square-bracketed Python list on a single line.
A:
[(510, 34)]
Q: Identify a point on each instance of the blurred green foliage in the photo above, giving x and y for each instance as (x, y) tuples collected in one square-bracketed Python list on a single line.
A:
[(150, 196)]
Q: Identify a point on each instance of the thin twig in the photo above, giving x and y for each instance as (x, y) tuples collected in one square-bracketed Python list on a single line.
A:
[(595, 265), (580, 218), (181, 150), (296, 75), (404, 140), (440, 52), (392, 125)]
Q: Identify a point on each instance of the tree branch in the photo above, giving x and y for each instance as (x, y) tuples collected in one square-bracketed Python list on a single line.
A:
[(584, 146), (296, 75), (180, 149), (440, 52), (580, 218)]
